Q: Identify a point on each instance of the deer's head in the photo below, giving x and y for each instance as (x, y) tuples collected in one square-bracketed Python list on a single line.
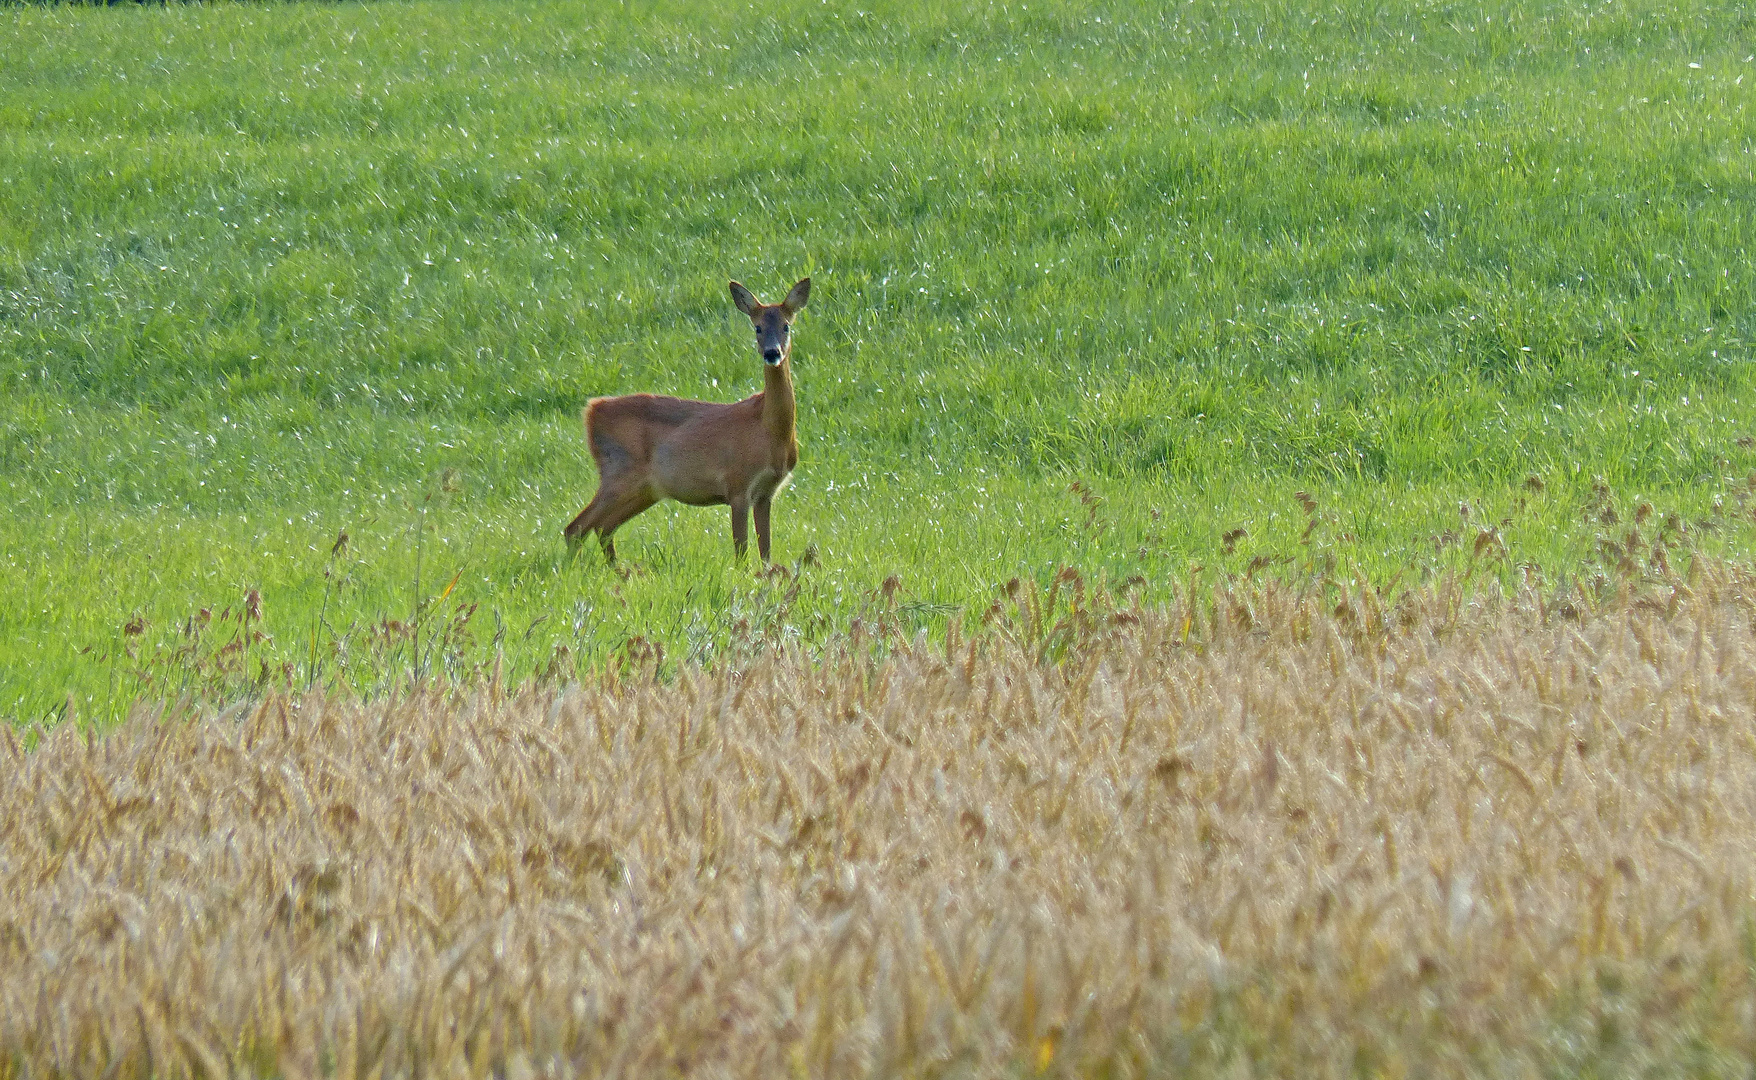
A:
[(773, 322)]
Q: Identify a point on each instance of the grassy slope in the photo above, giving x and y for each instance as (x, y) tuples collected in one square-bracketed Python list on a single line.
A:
[(267, 273)]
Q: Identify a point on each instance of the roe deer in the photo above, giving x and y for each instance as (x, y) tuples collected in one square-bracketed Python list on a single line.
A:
[(702, 453)]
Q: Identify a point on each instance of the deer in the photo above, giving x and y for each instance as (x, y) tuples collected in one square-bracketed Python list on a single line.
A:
[(649, 447)]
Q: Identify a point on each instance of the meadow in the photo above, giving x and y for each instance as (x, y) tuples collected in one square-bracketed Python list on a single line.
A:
[(1372, 293), (1267, 589)]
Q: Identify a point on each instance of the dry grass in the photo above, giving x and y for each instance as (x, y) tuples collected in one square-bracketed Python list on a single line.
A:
[(1288, 837)]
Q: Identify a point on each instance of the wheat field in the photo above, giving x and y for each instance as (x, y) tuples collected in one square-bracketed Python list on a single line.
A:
[(1259, 832)]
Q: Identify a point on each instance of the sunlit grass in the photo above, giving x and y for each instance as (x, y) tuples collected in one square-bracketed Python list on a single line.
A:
[(268, 273)]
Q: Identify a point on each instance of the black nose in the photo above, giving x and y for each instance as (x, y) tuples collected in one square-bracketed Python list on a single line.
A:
[(771, 355)]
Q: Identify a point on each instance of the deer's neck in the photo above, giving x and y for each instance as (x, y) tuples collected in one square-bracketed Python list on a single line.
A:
[(778, 413)]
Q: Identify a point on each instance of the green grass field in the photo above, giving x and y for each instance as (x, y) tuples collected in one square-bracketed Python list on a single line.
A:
[(269, 274)]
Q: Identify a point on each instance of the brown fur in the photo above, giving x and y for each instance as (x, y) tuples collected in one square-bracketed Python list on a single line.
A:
[(702, 453)]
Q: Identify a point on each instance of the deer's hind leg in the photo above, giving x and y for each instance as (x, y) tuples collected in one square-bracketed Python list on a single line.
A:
[(592, 515), (620, 493), (585, 522), (605, 514), (613, 515)]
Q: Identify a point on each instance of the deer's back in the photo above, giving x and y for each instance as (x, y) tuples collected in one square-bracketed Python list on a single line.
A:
[(625, 430)]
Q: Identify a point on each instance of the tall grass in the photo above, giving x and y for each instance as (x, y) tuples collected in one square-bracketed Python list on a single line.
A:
[(1259, 832), (266, 273)]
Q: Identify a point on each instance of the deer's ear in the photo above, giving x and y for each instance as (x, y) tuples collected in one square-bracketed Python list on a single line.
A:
[(797, 297), (741, 297)]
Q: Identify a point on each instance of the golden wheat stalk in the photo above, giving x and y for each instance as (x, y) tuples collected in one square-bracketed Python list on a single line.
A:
[(1269, 834)]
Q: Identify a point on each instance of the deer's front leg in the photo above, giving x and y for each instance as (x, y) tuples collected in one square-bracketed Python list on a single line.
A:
[(740, 527), (761, 508)]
